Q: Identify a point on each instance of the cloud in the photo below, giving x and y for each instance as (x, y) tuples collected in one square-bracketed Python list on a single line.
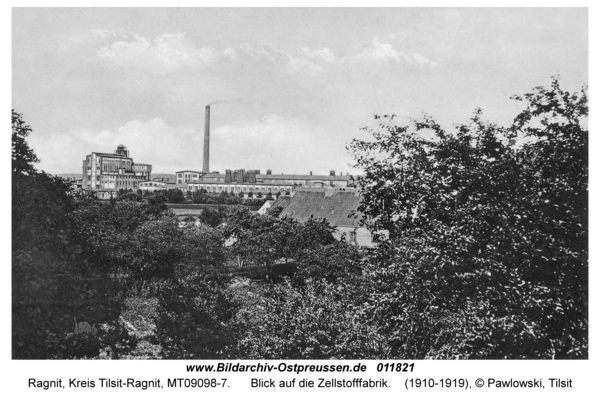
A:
[(166, 53), (385, 52), (229, 52), (320, 60), (422, 60), (271, 142), (305, 60), (325, 54), (172, 52), (94, 36), (91, 37), (150, 141)]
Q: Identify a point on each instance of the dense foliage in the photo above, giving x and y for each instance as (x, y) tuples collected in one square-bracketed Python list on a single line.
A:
[(492, 221), (482, 253), (53, 286)]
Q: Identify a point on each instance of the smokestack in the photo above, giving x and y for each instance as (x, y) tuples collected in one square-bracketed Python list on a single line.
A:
[(205, 166)]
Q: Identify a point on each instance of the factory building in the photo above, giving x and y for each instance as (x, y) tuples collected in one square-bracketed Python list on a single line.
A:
[(155, 185), (247, 181), (113, 171), (185, 176)]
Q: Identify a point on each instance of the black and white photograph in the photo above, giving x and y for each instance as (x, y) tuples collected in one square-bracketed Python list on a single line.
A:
[(299, 184)]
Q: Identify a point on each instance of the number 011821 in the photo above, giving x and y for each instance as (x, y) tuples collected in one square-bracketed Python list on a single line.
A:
[(395, 367)]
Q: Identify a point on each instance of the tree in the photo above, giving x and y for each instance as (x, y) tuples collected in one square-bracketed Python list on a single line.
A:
[(152, 250), (266, 240), (211, 216), (130, 196), (492, 222), (274, 211), (23, 156), (199, 196), (52, 283), (156, 204), (222, 198), (39, 201), (318, 320), (333, 261), (193, 307), (175, 196)]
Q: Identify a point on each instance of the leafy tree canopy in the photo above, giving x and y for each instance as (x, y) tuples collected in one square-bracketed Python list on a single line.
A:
[(23, 156), (489, 218)]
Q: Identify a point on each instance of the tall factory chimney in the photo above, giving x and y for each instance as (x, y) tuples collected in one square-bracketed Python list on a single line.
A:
[(205, 167)]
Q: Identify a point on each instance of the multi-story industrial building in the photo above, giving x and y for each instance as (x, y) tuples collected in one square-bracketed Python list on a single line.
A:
[(109, 172), (185, 176)]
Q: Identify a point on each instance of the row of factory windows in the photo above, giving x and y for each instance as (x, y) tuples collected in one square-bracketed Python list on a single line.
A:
[(113, 184), (308, 183), (115, 169), (211, 179), (238, 188), (120, 176), (152, 184)]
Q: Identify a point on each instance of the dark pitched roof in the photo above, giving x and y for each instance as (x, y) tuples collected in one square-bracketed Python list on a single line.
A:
[(282, 201), (332, 205)]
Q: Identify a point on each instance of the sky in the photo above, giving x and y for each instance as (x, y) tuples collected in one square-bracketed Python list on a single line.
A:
[(290, 88)]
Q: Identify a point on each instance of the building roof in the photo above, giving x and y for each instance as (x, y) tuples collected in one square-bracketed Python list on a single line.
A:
[(333, 205), (324, 189), (190, 171), (282, 201), (305, 177), (210, 175), (112, 155), (281, 176), (259, 183)]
